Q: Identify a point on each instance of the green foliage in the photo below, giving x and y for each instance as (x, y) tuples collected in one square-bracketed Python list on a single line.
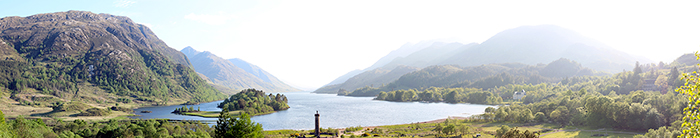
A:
[(515, 133), (434, 94), (255, 101), (353, 129), (185, 109), (502, 131), (662, 132), (242, 127), (691, 113), (132, 128), (31, 128), (123, 109), (71, 106), (94, 112), (5, 129)]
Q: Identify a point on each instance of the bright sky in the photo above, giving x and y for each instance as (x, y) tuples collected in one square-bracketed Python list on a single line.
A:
[(309, 43)]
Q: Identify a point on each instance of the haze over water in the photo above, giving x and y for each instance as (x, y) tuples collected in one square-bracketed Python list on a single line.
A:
[(335, 111)]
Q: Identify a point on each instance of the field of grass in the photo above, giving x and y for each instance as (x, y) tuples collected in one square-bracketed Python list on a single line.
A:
[(485, 129), (586, 134)]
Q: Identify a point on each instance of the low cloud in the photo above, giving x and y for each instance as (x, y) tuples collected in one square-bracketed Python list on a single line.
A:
[(211, 19)]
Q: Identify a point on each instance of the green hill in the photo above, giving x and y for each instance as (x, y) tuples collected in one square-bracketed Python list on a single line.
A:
[(95, 58)]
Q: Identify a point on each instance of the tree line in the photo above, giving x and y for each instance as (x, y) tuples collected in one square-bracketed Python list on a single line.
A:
[(436, 94)]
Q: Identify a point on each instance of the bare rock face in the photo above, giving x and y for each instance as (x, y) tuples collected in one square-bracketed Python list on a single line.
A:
[(113, 52)]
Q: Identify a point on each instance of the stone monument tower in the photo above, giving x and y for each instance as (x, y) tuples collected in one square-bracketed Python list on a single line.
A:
[(318, 134)]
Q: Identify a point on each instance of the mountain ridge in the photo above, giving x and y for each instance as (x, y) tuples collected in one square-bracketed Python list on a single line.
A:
[(226, 73), (526, 44), (100, 59)]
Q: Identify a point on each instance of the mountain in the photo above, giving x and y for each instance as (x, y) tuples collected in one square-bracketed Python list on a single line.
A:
[(421, 54), (403, 51), (228, 73), (99, 59), (262, 74), (483, 76), (435, 53), (544, 43), (376, 77), (529, 45)]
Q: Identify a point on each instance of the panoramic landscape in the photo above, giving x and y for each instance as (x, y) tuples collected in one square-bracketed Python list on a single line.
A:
[(339, 69)]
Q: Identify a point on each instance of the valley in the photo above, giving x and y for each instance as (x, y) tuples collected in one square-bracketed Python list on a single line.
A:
[(72, 74)]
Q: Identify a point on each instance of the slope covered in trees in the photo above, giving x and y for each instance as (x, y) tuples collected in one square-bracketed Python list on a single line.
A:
[(254, 102), (95, 58)]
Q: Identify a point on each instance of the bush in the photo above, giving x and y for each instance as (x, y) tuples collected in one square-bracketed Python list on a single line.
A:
[(123, 109), (71, 106), (124, 100), (94, 112)]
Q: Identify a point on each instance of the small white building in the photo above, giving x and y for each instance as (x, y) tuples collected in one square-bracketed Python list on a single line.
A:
[(519, 95)]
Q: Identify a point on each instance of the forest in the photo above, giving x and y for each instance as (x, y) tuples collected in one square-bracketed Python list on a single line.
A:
[(254, 102)]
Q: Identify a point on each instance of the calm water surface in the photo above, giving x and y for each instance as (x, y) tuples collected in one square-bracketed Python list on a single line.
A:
[(335, 111)]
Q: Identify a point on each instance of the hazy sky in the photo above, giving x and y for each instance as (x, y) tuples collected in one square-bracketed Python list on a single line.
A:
[(310, 43)]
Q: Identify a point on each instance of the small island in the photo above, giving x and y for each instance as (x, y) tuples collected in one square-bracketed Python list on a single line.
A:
[(251, 101)]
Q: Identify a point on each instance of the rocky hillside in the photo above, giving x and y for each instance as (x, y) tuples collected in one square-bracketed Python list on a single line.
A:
[(94, 58), (229, 74)]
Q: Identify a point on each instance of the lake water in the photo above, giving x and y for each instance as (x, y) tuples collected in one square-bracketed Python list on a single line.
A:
[(335, 111)]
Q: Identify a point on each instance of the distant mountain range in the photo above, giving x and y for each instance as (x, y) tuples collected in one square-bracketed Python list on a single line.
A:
[(529, 45), (234, 73)]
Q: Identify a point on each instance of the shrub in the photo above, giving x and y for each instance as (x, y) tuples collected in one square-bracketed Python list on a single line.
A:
[(123, 109), (94, 112)]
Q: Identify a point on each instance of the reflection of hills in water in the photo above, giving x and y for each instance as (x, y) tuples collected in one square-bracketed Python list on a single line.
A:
[(336, 112)]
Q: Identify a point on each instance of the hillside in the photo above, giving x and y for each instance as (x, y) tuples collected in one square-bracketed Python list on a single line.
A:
[(373, 78), (94, 58), (483, 77), (226, 73), (419, 55)]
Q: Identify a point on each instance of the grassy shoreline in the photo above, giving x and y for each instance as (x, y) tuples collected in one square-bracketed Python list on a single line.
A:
[(215, 114)]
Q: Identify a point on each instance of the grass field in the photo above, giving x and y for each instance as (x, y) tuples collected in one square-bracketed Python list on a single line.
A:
[(485, 129), (586, 134)]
